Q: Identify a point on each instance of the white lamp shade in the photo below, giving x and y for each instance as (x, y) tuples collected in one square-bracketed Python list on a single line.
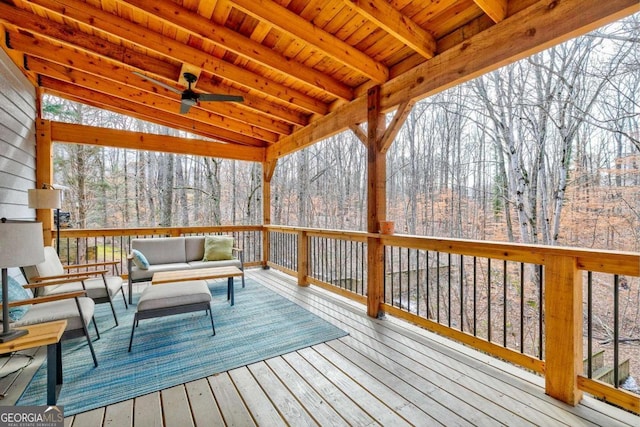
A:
[(44, 198), (21, 244)]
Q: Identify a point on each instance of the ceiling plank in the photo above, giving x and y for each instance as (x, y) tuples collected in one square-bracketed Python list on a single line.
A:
[(152, 41), (81, 134), (63, 34), (495, 9), (280, 17), (395, 23), (473, 57), (249, 49), (169, 102)]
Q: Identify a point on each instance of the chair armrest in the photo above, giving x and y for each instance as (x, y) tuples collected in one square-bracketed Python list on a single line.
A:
[(42, 284), (95, 264), (240, 254), (46, 298), (68, 276)]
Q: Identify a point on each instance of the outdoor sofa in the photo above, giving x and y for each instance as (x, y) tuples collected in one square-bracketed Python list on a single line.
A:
[(178, 253)]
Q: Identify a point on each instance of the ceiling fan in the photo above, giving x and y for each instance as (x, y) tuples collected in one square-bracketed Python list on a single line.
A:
[(188, 96)]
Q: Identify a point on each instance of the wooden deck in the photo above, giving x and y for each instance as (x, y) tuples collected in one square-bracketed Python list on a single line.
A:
[(384, 373)]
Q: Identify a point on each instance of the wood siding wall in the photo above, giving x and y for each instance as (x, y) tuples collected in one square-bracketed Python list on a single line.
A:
[(17, 140)]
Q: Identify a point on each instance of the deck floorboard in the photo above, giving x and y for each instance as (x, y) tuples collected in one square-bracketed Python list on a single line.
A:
[(385, 372)]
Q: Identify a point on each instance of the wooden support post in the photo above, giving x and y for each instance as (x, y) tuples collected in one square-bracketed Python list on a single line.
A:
[(303, 258), (268, 168), (376, 202), (44, 175), (563, 328)]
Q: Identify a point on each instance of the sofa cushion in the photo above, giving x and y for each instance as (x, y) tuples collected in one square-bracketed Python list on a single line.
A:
[(16, 293), (174, 294), (164, 250), (194, 247), (94, 287), (138, 275), (218, 248), (139, 259), (58, 310)]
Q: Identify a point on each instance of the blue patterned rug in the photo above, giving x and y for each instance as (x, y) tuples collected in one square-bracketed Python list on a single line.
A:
[(173, 350)]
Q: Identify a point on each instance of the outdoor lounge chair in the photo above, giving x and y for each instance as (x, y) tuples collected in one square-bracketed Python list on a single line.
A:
[(101, 288), (74, 307)]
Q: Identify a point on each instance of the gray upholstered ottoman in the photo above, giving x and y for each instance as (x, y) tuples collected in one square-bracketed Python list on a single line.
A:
[(172, 298)]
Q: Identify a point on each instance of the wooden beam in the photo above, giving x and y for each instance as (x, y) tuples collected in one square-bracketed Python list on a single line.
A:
[(268, 169), (484, 52), (81, 134), (563, 328), (394, 127), (182, 18), (395, 23), (273, 14), (222, 114), (44, 175), (359, 133), (495, 9), (376, 202), (155, 42)]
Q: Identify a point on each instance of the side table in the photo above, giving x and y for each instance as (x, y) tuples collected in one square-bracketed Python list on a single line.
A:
[(40, 334)]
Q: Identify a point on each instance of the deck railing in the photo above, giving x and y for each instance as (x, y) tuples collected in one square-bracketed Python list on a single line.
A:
[(114, 244), (539, 307), (521, 303)]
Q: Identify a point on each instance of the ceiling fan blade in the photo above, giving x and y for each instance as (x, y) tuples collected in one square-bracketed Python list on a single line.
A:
[(185, 107), (219, 97), (158, 82)]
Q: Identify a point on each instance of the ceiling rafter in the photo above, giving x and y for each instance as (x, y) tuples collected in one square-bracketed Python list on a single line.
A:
[(142, 112), (495, 9), (481, 53), (303, 68), (231, 118), (232, 129), (110, 69), (395, 23), (283, 19), (150, 40), (198, 26)]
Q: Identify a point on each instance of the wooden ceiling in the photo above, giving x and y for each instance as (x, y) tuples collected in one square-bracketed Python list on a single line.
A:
[(303, 66)]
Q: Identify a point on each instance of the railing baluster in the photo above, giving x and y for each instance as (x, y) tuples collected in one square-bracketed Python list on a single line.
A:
[(521, 307), (475, 296), (449, 289), (540, 308), (438, 286), (504, 303), (489, 299), (616, 330), (461, 292), (589, 324)]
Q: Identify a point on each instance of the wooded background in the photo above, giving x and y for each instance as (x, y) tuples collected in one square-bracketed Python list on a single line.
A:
[(541, 151)]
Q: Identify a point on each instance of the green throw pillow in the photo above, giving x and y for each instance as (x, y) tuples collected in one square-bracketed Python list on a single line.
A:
[(217, 248)]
